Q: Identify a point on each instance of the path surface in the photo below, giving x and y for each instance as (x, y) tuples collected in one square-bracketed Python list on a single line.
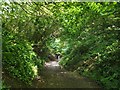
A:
[(55, 77)]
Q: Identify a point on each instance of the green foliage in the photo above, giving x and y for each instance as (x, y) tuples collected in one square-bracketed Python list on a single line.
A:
[(92, 33), (18, 58), (21, 30), (4, 86), (88, 35)]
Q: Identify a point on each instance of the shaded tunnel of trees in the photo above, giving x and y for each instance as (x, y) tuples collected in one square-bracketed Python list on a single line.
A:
[(85, 34)]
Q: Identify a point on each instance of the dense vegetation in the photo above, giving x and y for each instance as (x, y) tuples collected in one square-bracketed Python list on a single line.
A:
[(85, 34), (93, 41)]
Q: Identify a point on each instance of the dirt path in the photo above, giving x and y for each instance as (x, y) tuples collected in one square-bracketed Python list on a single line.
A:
[(55, 77)]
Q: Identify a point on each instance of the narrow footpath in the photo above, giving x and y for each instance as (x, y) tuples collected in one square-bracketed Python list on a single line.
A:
[(56, 77)]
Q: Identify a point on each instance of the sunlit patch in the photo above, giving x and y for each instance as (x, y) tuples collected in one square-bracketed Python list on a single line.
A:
[(34, 68), (63, 72), (52, 64)]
